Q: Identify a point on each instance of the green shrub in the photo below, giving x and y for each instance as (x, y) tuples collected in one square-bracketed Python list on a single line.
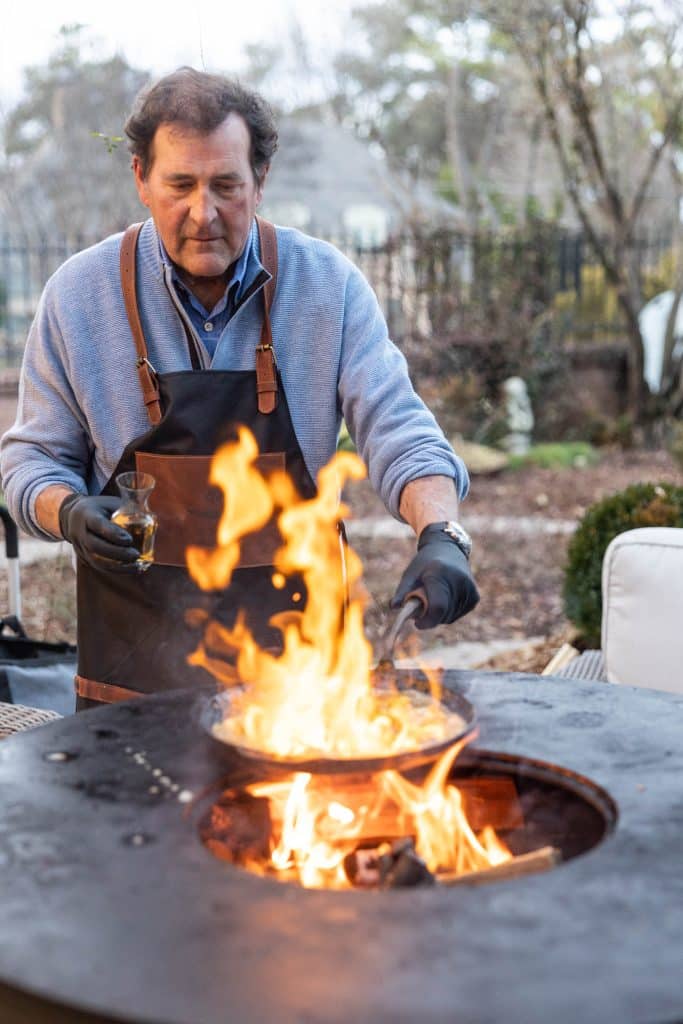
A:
[(638, 505), (557, 455)]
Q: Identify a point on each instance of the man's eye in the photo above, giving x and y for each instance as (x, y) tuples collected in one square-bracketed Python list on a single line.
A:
[(227, 189)]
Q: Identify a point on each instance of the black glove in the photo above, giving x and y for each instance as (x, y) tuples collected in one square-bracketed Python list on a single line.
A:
[(442, 570), (85, 522)]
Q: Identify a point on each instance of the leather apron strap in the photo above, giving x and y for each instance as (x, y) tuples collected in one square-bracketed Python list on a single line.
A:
[(266, 367), (105, 693), (148, 379)]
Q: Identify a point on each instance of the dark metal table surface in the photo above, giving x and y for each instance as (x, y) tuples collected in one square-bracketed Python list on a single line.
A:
[(113, 909)]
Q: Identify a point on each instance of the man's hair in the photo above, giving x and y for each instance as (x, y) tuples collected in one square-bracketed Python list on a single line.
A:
[(200, 102)]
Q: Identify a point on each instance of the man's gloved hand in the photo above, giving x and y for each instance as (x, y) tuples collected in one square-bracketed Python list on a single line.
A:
[(85, 522), (442, 570)]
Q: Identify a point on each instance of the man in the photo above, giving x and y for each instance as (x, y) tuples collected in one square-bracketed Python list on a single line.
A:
[(147, 352)]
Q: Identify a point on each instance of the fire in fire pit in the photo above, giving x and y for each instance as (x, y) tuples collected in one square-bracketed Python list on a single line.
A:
[(317, 700), (503, 817), (331, 831)]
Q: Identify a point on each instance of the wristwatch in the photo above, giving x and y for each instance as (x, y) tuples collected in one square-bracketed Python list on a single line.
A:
[(453, 530)]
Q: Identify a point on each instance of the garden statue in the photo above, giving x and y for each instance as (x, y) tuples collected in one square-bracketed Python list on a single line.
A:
[(518, 415), (653, 320)]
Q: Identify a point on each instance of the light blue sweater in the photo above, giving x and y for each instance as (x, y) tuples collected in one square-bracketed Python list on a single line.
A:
[(80, 402)]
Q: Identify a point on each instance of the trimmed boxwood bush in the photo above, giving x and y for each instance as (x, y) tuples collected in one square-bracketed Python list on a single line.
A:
[(638, 505)]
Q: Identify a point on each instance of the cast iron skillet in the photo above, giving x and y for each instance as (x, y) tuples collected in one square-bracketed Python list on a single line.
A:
[(268, 764), (386, 679)]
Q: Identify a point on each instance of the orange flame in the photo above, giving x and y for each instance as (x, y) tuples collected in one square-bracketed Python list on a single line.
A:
[(316, 697), (315, 828), (248, 506)]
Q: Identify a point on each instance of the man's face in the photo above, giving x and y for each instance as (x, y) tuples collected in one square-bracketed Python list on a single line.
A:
[(201, 192)]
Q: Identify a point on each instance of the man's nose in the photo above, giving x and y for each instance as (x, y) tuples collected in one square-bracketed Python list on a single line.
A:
[(203, 207)]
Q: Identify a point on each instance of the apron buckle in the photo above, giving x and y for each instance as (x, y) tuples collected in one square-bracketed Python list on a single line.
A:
[(266, 348), (144, 361)]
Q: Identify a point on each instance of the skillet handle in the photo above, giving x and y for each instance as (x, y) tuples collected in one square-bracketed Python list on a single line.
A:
[(414, 603), (417, 599)]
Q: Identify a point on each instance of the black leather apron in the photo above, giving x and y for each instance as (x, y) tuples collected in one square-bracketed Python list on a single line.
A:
[(136, 631)]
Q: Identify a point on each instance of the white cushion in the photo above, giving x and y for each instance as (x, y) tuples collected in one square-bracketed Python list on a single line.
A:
[(642, 609)]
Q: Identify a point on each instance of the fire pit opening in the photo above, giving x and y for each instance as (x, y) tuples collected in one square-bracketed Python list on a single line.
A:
[(514, 816)]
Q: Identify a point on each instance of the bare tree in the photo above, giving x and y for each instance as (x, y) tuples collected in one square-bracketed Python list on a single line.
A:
[(66, 167), (578, 78), (426, 90)]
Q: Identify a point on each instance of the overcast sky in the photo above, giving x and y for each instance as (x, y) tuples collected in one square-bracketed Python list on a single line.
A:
[(159, 34)]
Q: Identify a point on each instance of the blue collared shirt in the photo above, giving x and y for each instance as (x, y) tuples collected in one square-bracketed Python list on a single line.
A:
[(209, 325)]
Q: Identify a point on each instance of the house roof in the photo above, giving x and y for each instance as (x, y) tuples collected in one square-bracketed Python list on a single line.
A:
[(326, 180)]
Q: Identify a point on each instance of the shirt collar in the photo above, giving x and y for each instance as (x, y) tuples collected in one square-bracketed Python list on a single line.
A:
[(246, 269)]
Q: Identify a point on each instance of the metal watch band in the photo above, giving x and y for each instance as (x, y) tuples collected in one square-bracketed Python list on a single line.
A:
[(451, 529)]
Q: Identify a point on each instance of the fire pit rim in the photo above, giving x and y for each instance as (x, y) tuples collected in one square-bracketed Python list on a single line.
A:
[(543, 943)]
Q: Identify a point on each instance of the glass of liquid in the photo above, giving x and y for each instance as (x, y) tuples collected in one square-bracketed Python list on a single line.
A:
[(135, 515)]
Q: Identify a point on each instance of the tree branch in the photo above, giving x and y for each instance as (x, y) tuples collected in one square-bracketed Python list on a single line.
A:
[(673, 125), (540, 79), (580, 107)]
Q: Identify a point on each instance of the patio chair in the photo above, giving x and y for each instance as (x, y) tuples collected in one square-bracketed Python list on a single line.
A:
[(642, 614), (15, 717)]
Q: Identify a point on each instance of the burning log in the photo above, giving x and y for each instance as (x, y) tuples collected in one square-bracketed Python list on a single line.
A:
[(388, 866), (406, 868), (238, 827), (397, 865), (376, 817), (485, 801), (537, 861), (368, 835), (491, 801)]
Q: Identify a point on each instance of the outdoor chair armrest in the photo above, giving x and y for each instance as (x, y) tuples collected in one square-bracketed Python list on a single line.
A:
[(15, 717)]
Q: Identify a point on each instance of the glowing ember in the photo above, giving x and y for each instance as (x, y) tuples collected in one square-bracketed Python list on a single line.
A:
[(317, 696)]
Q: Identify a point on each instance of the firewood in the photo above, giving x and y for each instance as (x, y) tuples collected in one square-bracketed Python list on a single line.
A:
[(388, 866), (238, 827), (490, 801), (539, 860)]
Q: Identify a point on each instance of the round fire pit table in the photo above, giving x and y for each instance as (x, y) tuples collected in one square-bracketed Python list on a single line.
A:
[(112, 909)]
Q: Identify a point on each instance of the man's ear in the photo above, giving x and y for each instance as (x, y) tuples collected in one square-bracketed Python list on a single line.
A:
[(140, 180), (261, 183)]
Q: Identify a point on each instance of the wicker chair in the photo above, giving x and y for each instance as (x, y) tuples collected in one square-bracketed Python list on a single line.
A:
[(15, 717)]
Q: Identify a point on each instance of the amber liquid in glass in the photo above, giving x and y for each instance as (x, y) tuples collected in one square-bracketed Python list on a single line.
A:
[(142, 527)]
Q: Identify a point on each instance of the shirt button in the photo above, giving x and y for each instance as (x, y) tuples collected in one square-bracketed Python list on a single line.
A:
[(208, 326)]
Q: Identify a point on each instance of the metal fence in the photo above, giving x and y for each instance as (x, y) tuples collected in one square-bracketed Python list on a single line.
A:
[(26, 263), (437, 284), (449, 285)]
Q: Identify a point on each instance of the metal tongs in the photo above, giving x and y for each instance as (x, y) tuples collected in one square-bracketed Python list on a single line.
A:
[(415, 602)]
